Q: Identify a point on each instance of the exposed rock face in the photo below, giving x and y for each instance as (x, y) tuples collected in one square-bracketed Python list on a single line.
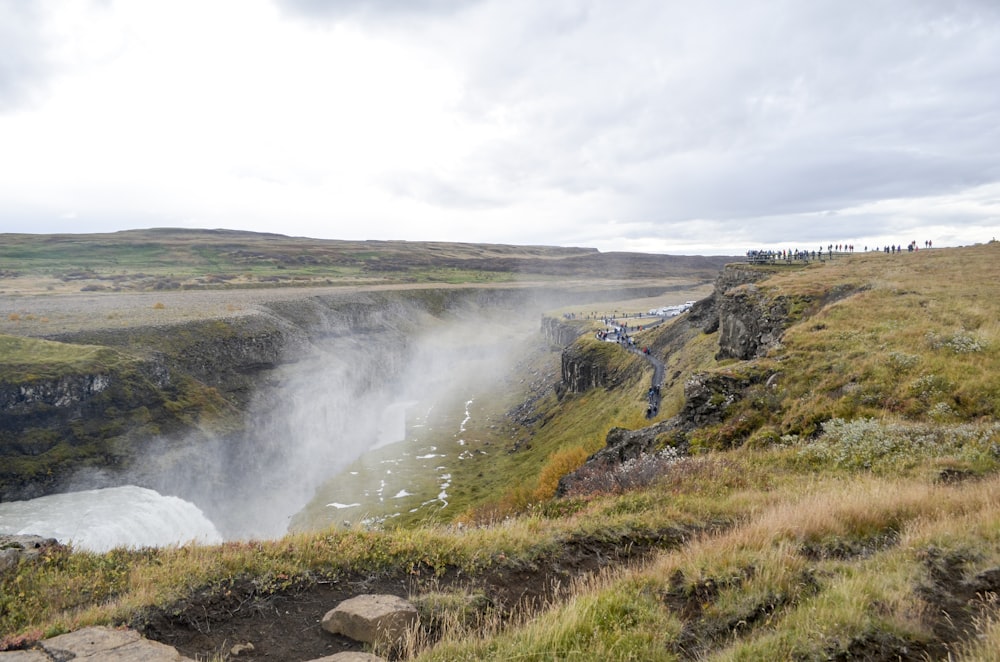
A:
[(707, 396), (622, 445), (25, 656), (582, 370), (79, 414), (61, 392), (750, 323), (559, 332), (227, 355), (371, 618), (586, 365)]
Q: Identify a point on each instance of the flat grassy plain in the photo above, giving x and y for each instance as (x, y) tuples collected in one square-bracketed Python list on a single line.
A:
[(845, 507), (166, 259)]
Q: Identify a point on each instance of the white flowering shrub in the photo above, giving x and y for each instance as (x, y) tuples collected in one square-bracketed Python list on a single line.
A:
[(959, 343), (902, 360), (941, 411), (631, 474), (926, 386), (869, 444)]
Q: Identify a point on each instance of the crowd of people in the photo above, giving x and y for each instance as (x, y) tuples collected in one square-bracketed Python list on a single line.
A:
[(770, 256)]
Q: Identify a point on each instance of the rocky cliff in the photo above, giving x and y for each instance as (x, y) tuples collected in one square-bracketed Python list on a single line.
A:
[(193, 382), (747, 322), (750, 322), (560, 332), (187, 382), (589, 363)]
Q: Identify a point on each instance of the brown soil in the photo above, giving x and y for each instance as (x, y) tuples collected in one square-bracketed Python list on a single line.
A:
[(285, 625)]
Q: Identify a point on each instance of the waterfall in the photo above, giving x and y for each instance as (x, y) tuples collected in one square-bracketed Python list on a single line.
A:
[(100, 520)]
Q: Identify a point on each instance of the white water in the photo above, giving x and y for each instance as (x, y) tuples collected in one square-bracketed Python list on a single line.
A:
[(392, 423), (100, 520)]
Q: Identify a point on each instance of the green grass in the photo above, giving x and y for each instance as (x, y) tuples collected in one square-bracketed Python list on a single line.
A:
[(916, 338), (495, 486), (32, 359)]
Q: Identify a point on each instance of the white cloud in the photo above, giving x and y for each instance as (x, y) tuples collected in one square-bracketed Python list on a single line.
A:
[(645, 125)]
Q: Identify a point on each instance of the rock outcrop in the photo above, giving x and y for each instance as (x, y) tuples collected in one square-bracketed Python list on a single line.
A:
[(17, 548), (750, 322), (371, 619), (51, 424), (729, 311), (587, 364), (622, 445), (560, 333), (104, 644), (582, 370), (707, 396)]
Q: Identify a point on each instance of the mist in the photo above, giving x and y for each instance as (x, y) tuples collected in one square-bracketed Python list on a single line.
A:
[(324, 409)]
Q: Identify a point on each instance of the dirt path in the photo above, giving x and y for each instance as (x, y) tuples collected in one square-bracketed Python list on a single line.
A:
[(653, 395), (286, 625), (659, 369)]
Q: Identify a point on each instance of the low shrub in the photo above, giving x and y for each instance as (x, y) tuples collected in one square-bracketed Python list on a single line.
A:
[(559, 464), (873, 445), (629, 475)]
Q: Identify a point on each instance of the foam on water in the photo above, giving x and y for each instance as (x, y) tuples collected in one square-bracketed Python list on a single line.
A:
[(100, 520)]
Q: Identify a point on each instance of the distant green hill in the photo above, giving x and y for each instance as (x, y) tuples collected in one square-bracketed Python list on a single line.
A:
[(166, 259)]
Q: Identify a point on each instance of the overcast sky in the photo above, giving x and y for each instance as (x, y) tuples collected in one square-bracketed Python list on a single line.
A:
[(707, 126)]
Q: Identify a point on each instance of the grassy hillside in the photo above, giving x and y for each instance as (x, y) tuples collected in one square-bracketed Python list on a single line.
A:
[(911, 339), (846, 506)]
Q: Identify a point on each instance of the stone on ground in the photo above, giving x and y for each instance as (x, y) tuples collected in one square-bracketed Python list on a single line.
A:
[(98, 644), (17, 548), (371, 618), (350, 656), (24, 656)]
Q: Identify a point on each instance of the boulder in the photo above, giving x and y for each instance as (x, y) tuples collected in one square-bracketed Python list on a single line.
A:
[(350, 656), (15, 548), (25, 656), (108, 645), (371, 618)]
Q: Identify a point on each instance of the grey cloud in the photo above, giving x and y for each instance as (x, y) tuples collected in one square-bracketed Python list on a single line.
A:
[(725, 110), (663, 112)]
